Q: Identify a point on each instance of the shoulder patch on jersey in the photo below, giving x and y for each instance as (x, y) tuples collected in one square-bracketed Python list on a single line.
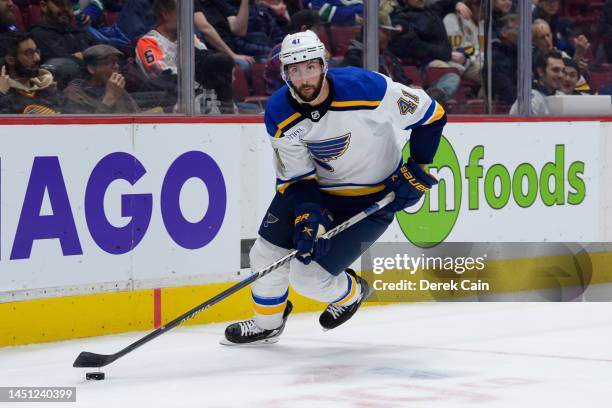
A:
[(405, 106), (288, 123), (412, 96), (356, 89), (280, 115)]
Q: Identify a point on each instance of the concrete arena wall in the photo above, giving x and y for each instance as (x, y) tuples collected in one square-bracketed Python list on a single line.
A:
[(101, 227)]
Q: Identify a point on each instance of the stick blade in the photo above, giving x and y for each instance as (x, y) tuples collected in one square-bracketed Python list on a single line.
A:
[(87, 359)]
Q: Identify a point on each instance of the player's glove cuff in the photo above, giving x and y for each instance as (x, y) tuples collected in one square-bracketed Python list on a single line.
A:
[(310, 223), (409, 183)]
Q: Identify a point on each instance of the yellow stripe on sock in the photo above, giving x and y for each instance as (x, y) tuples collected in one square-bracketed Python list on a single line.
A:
[(270, 310)]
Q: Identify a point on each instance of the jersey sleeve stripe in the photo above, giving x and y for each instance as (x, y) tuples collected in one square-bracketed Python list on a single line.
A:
[(347, 104), (428, 114), (286, 122), (282, 185), (296, 178), (439, 112)]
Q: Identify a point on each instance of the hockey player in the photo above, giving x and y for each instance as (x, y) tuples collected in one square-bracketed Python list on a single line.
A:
[(337, 136)]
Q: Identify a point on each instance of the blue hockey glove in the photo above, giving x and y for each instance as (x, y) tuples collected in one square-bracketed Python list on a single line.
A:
[(409, 183), (310, 223)]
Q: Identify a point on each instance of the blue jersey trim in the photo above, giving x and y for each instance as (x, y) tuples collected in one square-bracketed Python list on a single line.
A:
[(350, 286), (357, 84), (363, 185), (281, 181), (426, 117), (270, 301)]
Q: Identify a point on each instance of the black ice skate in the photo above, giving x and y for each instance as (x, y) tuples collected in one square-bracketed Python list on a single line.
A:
[(247, 332), (335, 314)]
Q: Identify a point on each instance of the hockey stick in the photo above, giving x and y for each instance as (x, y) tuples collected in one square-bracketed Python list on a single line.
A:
[(87, 359)]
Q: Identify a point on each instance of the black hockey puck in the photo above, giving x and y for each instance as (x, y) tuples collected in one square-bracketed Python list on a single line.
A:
[(94, 376)]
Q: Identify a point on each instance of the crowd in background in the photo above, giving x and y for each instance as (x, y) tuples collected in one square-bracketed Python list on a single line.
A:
[(121, 56)]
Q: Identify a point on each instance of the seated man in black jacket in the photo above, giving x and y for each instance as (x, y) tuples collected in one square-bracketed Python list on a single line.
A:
[(61, 45), (24, 87), (505, 61), (389, 64), (424, 40)]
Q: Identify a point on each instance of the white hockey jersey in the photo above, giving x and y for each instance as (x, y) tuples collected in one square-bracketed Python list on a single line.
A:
[(352, 142), (464, 34)]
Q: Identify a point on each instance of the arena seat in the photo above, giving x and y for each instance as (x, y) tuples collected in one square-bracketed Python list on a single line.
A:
[(19, 20), (599, 78), (109, 17), (257, 76), (413, 73), (34, 14), (340, 39), (431, 74), (241, 88)]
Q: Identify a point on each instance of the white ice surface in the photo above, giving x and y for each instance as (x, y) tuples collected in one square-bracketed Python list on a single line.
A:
[(417, 355)]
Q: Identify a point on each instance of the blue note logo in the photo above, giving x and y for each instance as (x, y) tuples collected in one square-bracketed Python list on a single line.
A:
[(329, 149), (270, 219)]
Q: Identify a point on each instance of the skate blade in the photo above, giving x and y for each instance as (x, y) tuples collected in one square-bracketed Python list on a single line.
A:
[(226, 342)]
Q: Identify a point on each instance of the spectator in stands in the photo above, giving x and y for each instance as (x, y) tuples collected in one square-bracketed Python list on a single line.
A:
[(424, 40), (87, 12), (385, 9), (212, 37), (24, 86), (549, 67), (504, 61), (464, 36), (280, 11), (561, 30), (157, 53), (55, 35), (104, 89), (340, 12), (7, 23), (61, 44), (501, 8), (571, 75), (115, 6), (262, 34), (228, 24), (7, 17), (390, 65), (135, 19), (543, 41), (293, 6), (605, 30), (215, 74), (301, 21)]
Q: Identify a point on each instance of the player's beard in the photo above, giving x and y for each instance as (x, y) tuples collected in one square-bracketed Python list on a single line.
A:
[(316, 90)]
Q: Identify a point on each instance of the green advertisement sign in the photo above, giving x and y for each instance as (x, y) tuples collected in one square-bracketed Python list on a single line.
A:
[(555, 183)]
